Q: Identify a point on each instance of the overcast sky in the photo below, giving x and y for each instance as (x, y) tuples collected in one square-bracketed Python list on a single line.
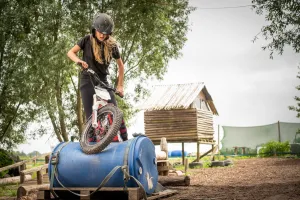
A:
[(248, 88)]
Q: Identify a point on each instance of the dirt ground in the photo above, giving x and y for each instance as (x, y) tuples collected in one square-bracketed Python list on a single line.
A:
[(255, 178)]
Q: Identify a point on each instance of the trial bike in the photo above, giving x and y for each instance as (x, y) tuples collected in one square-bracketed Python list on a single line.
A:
[(104, 124)]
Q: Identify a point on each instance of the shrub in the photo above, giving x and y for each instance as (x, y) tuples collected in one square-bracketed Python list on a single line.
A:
[(5, 160), (273, 148)]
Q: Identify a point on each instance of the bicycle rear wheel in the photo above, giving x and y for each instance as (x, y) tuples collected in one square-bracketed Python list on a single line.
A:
[(95, 140)]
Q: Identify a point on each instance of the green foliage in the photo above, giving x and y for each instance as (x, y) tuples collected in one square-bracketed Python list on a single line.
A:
[(297, 138), (34, 153), (273, 148), (284, 26), (39, 84), (297, 108), (283, 29), (8, 190), (5, 160)]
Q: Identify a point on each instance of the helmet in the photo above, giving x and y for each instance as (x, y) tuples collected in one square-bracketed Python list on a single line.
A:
[(103, 23)]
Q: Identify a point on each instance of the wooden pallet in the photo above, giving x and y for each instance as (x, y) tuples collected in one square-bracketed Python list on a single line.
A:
[(163, 167), (103, 193)]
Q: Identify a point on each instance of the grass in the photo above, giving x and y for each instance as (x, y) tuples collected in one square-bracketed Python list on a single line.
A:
[(10, 190)]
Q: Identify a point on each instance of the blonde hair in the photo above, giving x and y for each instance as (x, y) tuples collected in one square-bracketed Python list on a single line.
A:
[(109, 44)]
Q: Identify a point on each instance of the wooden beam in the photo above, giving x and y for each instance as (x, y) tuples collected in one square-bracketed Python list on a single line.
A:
[(198, 152), (182, 151), (35, 169), (15, 179)]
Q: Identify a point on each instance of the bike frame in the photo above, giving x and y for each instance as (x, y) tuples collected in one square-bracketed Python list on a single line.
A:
[(100, 99)]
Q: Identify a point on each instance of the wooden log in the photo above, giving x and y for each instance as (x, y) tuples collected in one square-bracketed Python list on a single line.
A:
[(23, 167), (39, 177), (163, 144), (186, 165), (47, 158), (35, 169), (174, 180), (26, 189), (15, 179), (29, 171), (13, 165)]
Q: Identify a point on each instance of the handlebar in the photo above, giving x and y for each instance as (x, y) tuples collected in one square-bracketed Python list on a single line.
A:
[(104, 85)]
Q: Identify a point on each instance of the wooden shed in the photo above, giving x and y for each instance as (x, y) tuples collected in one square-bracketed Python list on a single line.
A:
[(180, 113)]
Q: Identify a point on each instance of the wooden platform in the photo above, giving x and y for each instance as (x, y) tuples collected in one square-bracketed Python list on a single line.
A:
[(103, 193)]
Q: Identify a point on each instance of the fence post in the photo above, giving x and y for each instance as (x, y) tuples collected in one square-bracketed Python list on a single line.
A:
[(47, 158), (219, 139), (279, 136)]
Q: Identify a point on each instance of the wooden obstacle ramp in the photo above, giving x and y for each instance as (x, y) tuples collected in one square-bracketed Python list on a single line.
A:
[(103, 193)]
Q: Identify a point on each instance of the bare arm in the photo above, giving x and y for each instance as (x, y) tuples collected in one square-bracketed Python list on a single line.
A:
[(72, 54), (120, 86)]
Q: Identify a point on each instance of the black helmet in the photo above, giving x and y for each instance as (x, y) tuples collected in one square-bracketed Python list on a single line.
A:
[(103, 23)]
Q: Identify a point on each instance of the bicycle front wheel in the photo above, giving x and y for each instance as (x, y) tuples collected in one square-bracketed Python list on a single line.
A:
[(95, 140)]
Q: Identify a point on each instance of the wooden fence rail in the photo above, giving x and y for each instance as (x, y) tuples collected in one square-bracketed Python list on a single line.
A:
[(22, 163)]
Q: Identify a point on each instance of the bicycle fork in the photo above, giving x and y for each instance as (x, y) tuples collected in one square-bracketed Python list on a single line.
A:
[(95, 109)]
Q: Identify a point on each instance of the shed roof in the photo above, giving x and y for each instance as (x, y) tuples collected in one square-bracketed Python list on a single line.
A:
[(166, 97)]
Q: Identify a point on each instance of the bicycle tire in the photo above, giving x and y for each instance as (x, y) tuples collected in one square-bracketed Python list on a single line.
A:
[(111, 133)]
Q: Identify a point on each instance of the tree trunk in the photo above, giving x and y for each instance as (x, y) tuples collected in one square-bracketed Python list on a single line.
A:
[(79, 108), (61, 113), (56, 129)]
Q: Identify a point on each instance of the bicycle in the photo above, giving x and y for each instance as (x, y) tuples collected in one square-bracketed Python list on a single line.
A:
[(106, 119)]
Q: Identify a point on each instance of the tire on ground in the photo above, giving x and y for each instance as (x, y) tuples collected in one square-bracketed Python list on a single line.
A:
[(195, 165), (217, 164), (228, 162)]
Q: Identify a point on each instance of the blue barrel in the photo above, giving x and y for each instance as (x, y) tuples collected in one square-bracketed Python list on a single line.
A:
[(77, 169), (178, 153)]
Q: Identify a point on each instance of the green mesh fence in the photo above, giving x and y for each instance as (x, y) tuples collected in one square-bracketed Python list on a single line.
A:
[(253, 137)]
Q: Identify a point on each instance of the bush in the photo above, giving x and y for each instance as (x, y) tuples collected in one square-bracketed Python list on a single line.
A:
[(274, 148), (5, 160)]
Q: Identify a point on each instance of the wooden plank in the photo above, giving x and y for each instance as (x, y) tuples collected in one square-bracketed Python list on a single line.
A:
[(174, 132), (162, 194), (172, 128), (170, 112), (90, 188), (134, 194), (162, 168), (35, 169), (85, 193), (15, 179), (158, 161)]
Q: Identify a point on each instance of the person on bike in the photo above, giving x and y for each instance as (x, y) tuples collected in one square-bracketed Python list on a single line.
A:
[(99, 48)]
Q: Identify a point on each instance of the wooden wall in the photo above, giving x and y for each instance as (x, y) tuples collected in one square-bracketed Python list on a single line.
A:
[(178, 125), (205, 124)]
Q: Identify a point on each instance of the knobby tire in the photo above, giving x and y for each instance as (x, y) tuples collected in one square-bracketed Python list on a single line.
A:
[(111, 133)]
